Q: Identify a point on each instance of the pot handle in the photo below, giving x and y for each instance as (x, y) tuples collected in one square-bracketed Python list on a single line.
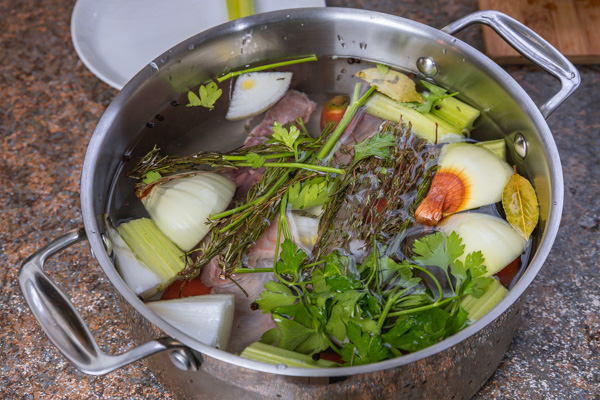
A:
[(532, 46), (65, 327)]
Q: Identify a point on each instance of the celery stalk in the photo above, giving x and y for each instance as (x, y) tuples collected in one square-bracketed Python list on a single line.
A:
[(423, 125), (153, 248), (275, 355), (239, 8), (477, 308), (498, 147), (455, 112)]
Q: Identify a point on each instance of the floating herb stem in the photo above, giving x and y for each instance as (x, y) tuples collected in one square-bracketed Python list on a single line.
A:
[(230, 75)]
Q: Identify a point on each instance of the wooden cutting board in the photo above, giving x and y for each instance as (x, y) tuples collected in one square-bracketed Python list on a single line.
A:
[(572, 26)]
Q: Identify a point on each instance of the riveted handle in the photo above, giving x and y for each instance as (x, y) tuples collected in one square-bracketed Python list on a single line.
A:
[(532, 46), (65, 327)]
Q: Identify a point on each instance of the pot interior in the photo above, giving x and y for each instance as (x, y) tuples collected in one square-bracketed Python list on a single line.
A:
[(151, 109)]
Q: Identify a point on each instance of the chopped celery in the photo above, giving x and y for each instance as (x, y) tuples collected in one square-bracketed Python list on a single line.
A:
[(140, 279), (477, 308), (455, 112), (426, 126), (498, 147), (153, 248), (275, 355)]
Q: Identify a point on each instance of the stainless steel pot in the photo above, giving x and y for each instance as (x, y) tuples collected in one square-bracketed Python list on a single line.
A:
[(454, 368)]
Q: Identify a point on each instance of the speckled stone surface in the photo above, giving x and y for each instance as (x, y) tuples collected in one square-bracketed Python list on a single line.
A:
[(50, 105)]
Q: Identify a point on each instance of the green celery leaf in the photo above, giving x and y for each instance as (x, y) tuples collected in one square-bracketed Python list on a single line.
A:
[(297, 337), (469, 279), (315, 343), (478, 286), (209, 94), (457, 321), (362, 347), (438, 249), (256, 160), (311, 193), (292, 332), (344, 309), (284, 136), (377, 146), (290, 259), (151, 176), (429, 98), (275, 295), (398, 274), (382, 68), (418, 331), (193, 99), (342, 283), (272, 336)]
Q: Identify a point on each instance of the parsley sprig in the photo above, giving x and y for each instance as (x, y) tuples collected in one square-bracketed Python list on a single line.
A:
[(380, 308)]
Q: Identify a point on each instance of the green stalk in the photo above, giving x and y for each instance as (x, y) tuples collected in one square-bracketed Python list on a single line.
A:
[(426, 126), (309, 167), (240, 219), (457, 113), (498, 147), (239, 8), (388, 306), (153, 248), (350, 111), (276, 355), (422, 308), (230, 75), (251, 270), (260, 199), (268, 157), (437, 283), (477, 308)]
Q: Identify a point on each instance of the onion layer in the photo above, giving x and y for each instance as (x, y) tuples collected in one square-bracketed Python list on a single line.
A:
[(181, 207), (469, 176), (494, 237), (255, 92)]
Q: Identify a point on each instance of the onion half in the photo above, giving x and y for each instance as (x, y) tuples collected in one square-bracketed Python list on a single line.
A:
[(468, 177), (494, 237), (181, 207)]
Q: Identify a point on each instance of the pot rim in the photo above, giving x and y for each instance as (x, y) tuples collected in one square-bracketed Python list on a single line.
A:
[(509, 84)]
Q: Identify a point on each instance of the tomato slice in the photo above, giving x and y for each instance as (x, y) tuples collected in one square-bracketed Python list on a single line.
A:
[(507, 274), (193, 287), (334, 110), (331, 355)]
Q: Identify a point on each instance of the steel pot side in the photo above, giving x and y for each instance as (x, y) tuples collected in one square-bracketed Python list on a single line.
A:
[(475, 351)]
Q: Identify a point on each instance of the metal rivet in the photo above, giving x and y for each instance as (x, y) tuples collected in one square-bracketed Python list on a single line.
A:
[(427, 66), (521, 145), (183, 360)]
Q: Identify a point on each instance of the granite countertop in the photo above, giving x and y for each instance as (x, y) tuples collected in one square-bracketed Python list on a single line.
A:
[(50, 106)]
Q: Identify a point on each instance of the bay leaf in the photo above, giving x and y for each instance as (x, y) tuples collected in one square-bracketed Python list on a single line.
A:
[(392, 83), (520, 205)]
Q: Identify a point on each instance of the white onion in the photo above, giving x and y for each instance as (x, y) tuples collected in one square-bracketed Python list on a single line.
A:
[(206, 318), (181, 207), (468, 177), (140, 279), (255, 92), (494, 237), (486, 174)]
